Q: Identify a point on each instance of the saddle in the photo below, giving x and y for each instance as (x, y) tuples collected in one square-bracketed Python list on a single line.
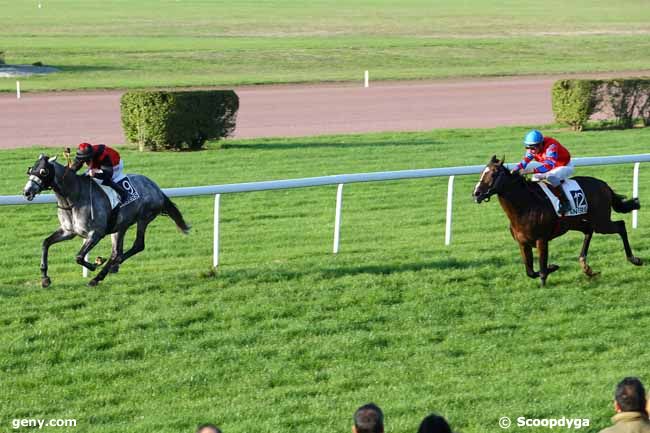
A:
[(113, 196), (573, 192)]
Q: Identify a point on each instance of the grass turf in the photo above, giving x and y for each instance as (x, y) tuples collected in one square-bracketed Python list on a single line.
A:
[(287, 336), (124, 44)]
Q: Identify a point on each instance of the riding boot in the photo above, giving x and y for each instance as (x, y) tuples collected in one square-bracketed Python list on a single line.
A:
[(124, 196), (565, 204)]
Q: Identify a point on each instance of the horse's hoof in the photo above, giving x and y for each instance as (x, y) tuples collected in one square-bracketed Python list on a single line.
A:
[(552, 268), (591, 274), (100, 260), (635, 260), (542, 281), (533, 275), (45, 282), (93, 283)]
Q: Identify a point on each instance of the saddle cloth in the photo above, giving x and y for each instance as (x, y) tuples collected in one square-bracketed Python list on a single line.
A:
[(112, 195), (575, 194)]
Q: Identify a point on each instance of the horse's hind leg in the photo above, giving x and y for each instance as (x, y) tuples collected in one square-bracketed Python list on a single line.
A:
[(619, 227), (58, 236), (138, 245), (114, 262), (583, 255)]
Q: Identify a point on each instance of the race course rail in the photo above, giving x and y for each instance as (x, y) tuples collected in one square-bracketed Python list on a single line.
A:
[(342, 179)]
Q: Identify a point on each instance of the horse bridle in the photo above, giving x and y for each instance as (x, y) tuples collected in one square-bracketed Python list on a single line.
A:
[(496, 184), (41, 182), (49, 173)]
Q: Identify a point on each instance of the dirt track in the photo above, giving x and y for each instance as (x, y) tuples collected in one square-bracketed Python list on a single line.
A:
[(67, 118)]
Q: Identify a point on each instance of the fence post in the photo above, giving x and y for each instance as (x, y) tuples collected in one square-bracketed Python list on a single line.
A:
[(450, 200), (337, 217), (215, 245), (635, 194)]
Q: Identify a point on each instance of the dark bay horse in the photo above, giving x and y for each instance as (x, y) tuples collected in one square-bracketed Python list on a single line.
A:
[(85, 210), (533, 221)]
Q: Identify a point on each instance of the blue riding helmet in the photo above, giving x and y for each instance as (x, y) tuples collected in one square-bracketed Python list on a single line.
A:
[(533, 139)]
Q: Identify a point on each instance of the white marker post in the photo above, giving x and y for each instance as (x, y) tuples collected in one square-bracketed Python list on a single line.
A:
[(635, 194), (17, 89), (365, 79), (450, 202), (215, 245), (337, 217)]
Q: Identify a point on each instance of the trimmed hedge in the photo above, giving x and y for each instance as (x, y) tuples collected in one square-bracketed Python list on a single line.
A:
[(178, 120), (572, 102), (623, 100)]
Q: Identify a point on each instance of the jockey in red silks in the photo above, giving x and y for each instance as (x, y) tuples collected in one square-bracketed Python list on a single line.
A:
[(552, 163), (104, 163)]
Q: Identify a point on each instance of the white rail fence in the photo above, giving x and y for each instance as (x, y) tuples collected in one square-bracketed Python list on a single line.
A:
[(342, 179)]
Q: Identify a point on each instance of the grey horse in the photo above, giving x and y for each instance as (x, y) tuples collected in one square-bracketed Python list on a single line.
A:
[(85, 210)]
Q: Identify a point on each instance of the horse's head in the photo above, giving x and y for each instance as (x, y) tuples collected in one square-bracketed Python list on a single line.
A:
[(492, 181), (41, 177)]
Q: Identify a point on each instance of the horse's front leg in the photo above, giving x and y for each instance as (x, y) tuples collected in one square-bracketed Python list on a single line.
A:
[(58, 236), (114, 262), (93, 239), (544, 268), (527, 256)]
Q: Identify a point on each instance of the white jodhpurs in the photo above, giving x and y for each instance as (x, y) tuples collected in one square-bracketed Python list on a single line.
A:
[(554, 176), (118, 173)]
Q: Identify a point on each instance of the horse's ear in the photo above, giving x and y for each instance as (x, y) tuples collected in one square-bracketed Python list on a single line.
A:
[(494, 159), (52, 159), (502, 160)]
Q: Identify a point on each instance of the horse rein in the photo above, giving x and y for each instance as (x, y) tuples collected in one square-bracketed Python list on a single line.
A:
[(66, 153)]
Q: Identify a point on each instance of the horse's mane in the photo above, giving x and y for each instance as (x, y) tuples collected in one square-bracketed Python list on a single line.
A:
[(530, 186), (520, 178)]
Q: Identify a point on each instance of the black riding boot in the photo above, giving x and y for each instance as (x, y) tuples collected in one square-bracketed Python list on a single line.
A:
[(124, 196), (565, 204)]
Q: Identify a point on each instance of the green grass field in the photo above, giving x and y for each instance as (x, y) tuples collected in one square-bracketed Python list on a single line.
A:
[(125, 44), (288, 337)]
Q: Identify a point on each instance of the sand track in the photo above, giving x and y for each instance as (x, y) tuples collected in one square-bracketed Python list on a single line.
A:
[(67, 118)]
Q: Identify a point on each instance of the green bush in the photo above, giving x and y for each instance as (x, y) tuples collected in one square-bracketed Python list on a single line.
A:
[(621, 100), (572, 102), (178, 120)]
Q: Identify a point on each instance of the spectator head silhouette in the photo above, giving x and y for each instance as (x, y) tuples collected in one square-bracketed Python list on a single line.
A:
[(368, 419), (434, 424), (208, 428)]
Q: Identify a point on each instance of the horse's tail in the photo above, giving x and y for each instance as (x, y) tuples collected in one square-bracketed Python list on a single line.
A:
[(620, 205), (170, 209)]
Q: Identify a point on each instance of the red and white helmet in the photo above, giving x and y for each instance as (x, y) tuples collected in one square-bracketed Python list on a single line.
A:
[(85, 152)]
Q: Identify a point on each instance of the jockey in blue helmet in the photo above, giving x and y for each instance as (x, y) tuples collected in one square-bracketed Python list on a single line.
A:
[(553, 163)]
